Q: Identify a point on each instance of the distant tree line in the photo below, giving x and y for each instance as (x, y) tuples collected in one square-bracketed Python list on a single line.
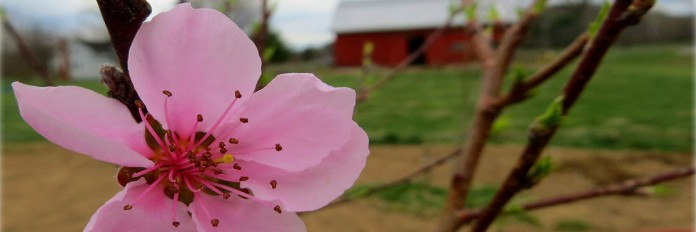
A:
[(559, 25)]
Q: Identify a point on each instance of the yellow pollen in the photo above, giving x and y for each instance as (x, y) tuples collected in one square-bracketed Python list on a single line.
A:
[(227, 158)]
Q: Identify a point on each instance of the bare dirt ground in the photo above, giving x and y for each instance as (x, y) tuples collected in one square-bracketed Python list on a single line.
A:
[(46, 188)]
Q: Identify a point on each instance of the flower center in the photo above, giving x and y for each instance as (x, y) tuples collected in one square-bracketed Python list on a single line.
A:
[(187, 166)]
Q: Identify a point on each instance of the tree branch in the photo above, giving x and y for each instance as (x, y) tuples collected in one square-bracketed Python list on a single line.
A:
[(519, 91), (494, 68), (628, 187), (622, 14), (123, 19)]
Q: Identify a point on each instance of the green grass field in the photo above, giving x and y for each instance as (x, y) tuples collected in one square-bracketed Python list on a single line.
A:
[(641, 98)]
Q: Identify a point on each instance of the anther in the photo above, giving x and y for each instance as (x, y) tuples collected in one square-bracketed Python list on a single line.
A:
[(274, 184), (139, 104), (217, 171), (226, 195), (243, 178), (237, 94), (244, 120), (215, 222), (223, 150), (221, 144), (277, 209), (166, 92), (189, 155), (233, 141), (172, 148), (127, 207), (199, 118), (176, 224), (237, 167), (278, 147)]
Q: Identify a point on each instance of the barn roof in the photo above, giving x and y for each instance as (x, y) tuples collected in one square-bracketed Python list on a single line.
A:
[(392, 15)]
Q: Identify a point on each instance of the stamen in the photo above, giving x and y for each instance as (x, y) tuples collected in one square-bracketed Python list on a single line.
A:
[(278, 147), (217, 123), (259, 149), (149, 127), (237, 94), (166, 108), (244, 120), (148, 189), (221, 144), (146, 171), (243, 178), (237, 166), (175, 223), (215, 222), (233, 141), (274, 184), (190, 187), (242, 194), (207, 184), (277, 209), (192, 137)]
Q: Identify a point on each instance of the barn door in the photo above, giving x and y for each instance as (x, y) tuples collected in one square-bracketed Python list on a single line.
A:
[(413, 44)]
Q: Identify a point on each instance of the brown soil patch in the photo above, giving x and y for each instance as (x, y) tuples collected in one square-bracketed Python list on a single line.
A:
[(46, 188)]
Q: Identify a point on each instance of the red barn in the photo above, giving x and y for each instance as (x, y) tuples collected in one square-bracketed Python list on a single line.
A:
[(397, 28)]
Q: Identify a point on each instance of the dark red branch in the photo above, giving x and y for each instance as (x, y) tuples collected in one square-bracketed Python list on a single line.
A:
[(620, 16), (123, 18), (628, 188)]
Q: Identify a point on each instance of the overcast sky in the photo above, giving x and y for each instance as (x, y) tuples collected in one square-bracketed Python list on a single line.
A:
[(302, 23)]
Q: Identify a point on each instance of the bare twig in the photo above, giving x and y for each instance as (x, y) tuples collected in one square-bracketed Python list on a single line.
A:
[(404, 179), (622, 14), (26, 52), (363, 93), (494, 65), (123, 19), (628, 187)]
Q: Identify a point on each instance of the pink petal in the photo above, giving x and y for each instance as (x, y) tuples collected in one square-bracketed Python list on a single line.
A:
[(153, 212), (314, 187), (200, 56), (307, 117), (239, 215), (83, 121)]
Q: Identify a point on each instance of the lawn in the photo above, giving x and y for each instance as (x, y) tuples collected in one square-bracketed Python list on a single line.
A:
[(641, 98)]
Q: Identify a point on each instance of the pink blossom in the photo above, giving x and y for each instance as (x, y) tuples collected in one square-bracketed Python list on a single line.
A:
[(213, 155)]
